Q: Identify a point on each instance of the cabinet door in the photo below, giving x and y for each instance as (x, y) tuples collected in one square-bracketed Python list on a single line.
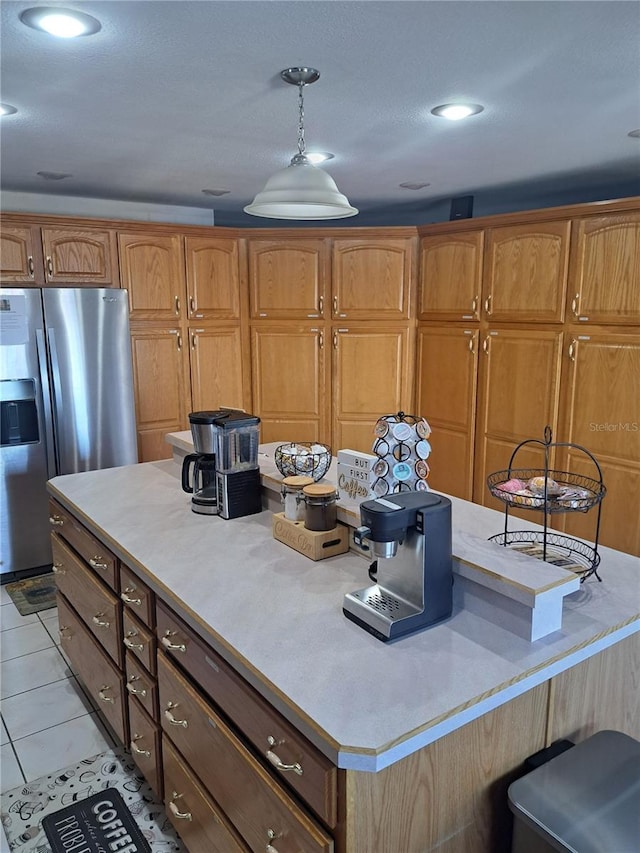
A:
[(287, 280), (371, 377), (160, 373), (216, 368), (289, 383), (605, 269), (518, 397), (447, 364), (80, 257), (213, 283), (21, 255), (152, 270), (601, 411), (525, 272), (372, 278), (451, 276)]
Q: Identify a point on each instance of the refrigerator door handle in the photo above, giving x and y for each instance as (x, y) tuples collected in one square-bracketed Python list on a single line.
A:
[(56, 390), (41, 351)]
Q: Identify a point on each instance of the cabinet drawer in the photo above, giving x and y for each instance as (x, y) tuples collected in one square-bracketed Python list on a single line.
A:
[(273, 737), (140, 641), (90, 549), (98, 607), (197, 819), (141, 685), (98, 673), (254, 801), (145, 745), (137, 596)]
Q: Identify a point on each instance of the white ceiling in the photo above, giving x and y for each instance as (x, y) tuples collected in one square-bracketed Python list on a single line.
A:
[(170, 98)]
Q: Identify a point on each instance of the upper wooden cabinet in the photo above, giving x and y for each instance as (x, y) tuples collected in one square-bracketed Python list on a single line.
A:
[(21, 255), (451, 276), (372, 278), (605, 270), (59, 256), (217, 372), (525, 272), (288, 279), (213, 282), (152, 270), (80, 257)]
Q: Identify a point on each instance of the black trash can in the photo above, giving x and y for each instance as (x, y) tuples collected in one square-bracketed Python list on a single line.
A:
[(586, 800)]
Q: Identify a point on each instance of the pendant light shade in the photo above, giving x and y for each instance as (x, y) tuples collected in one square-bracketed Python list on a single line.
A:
[(301, 190)]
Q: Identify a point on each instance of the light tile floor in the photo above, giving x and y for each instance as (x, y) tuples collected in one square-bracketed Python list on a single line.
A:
[(48, 721)]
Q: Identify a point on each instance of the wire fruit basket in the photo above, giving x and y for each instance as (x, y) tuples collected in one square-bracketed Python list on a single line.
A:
[(310, 459)]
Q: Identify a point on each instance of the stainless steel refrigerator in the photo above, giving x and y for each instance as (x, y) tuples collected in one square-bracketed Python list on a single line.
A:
[(66, 405)]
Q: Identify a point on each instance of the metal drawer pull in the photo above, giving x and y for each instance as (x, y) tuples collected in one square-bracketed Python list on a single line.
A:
[(273, 758), (61, 631), (132, 689), (173, 647), (99, 620), (56, 521), (271, 835), (96, 563), (172, 719), (137, 749), (58, 569), (103, 697), (127, 600), (133, 646), (174, 809)]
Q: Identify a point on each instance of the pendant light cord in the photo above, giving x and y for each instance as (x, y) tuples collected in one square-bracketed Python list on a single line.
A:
[(301, 143)]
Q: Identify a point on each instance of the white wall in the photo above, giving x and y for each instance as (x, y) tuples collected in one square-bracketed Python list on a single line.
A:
[(66, 205)]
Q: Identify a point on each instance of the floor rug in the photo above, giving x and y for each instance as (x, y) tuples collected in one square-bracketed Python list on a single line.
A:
[(24, 808), (33, 594)]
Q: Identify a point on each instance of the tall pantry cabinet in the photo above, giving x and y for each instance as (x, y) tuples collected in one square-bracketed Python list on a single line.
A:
[(527, 324), (186, 330)]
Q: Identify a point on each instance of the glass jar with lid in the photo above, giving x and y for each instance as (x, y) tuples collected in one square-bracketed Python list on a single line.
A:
[(292, 498), (320, 507)]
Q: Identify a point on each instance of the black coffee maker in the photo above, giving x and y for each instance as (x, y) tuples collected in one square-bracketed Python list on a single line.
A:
[(202, 483)]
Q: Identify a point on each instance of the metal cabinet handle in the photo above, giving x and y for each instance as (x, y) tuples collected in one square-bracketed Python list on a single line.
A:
[(471, 346), (56, 521), (58, 569), (49, 266), (485, 344), (64, 628), (474, 304), (271, 835), (572, 350), (172, 647), (131, 689), (137, 749), (99, 620), (194, 339), (96, 563), (177, 304), (169, 716), (320, 304), (104, 698), (174, 809), (321, 340), (335, 304), (192, 304), (179, 341), (574, 305), (126, 598), (133, 646), (487, 305), (275, 760), (30, 266)]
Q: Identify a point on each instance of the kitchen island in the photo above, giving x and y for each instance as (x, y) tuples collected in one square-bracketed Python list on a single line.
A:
[(426, 733)]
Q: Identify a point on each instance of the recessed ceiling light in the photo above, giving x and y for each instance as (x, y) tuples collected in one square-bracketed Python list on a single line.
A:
[(455, 112), (413, 185), (64, 23), (54, 176), (634, 133), (7, 110), (216, 192), (318, 156)]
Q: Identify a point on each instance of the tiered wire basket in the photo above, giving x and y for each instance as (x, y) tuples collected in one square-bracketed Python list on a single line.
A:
[(550, 491)]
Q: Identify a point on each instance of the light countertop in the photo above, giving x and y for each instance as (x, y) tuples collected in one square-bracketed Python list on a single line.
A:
[(276, 616)]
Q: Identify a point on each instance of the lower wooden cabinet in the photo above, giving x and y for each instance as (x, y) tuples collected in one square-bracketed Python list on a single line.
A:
[(199, 822), (144, 744)]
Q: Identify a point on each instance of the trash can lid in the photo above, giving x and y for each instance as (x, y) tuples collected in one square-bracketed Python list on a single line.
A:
[(586, 800)]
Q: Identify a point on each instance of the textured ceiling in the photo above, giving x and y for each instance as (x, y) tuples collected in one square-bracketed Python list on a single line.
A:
[(173, 97)]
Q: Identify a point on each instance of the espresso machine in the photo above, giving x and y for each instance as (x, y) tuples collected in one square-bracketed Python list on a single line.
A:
[(410, 535), (202, 482), (238, 487)]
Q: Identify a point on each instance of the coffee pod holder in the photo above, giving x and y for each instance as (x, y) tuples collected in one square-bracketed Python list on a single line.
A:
[(553, 492), (402, 447)]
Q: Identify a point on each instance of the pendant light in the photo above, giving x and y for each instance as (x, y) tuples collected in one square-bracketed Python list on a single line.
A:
[(302, 190)]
